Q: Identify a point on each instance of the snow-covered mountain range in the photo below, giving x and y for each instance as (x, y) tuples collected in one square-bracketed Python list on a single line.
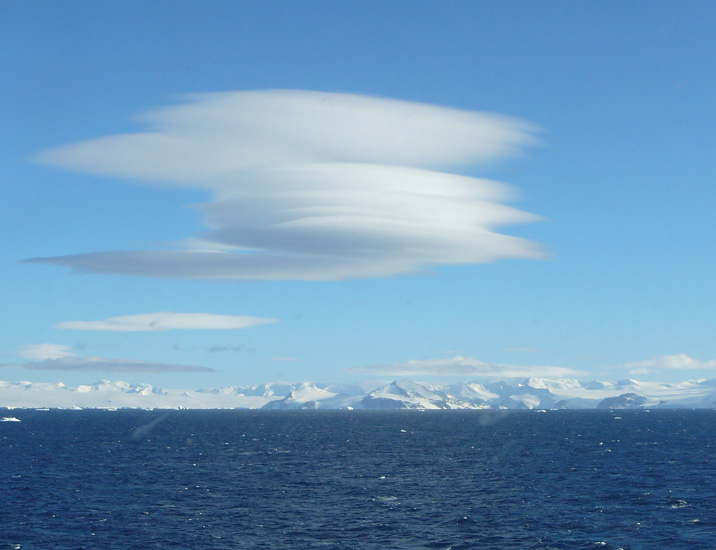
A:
[(530, 393)]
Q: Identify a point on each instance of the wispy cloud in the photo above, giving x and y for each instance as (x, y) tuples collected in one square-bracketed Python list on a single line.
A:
[(109, 365), (40, 352), (465, 366), (57, 357), (152, 322), (664, 362), (314, 186), (236, 349)]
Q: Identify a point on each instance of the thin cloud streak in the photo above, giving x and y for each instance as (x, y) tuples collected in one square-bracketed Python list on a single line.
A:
[(669, 362), (40, 352), (162, 321), (314, 186), (102, 364), (465, 367), (57, 357), (235, 349)]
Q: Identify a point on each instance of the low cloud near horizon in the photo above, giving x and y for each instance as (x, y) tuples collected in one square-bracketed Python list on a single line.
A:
[(465, 366), (314, 186), (161, 321), (669, 362), (56, 357)]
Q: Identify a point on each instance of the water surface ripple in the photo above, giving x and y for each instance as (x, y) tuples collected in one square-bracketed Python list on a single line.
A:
[(358, 480)]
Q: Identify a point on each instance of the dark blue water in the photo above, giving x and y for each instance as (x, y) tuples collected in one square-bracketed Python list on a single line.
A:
[(358, 480)]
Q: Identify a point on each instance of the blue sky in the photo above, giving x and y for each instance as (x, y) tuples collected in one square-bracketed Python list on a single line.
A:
[(594, 254)]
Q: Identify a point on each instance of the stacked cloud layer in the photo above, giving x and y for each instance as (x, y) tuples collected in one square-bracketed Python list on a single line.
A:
[(314, 186)]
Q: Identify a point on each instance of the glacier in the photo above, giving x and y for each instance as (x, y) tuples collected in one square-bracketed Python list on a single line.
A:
[(529, 393)]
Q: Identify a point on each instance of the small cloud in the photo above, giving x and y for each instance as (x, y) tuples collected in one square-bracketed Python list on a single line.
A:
[(40, 352), (664, 362), (239, 348), (639, 371), (57, 357), (107, 365), (464, 366), (153, 322)]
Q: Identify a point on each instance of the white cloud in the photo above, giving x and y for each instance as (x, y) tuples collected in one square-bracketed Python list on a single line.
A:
[(152, 322), (464, 366), (109, 365), (40, 352), (213, 135), (679, 362), (314, 186), (61, 358)]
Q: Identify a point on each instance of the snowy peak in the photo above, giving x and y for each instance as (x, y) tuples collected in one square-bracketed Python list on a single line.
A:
[(406, 394), (530, 393), (305, 396), (472, 391), (557, 386)]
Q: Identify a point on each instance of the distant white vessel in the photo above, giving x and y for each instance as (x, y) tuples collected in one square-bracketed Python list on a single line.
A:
[(9, 419)]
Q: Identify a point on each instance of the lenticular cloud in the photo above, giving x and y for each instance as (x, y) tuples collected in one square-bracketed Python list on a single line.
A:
[(314, 186)]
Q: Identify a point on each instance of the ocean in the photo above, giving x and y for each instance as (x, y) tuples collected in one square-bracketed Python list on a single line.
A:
[(358, 480)]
